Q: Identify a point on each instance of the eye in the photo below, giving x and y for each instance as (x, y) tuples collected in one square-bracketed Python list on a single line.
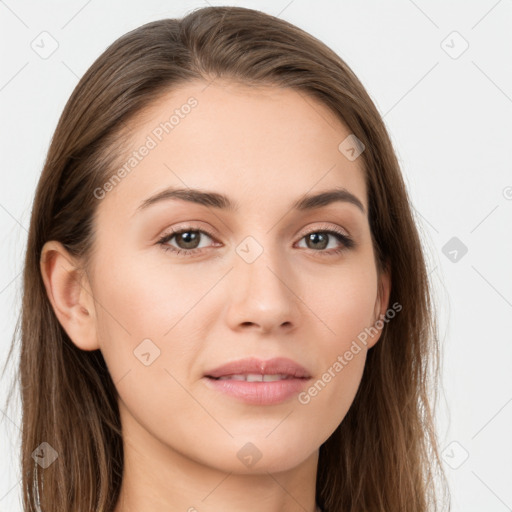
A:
[(188, 241), (189, 237), (319, 240)]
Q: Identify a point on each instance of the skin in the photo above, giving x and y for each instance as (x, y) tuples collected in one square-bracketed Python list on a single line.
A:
[(264, 147)]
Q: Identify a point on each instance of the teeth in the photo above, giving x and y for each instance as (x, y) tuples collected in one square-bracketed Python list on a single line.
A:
[(273, 378), (255, 377), (234, 377)]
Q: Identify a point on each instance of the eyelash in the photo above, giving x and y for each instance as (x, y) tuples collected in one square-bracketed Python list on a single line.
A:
[(347, 242)]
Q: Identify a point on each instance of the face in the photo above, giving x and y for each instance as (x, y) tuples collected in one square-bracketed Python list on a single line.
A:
[(261, 279)]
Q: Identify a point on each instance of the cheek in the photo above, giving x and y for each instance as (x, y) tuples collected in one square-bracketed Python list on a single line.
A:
[(144, 332), (134, 310), (345, 301), (160, 302), (346, 306), (144, 299), (331, 393)]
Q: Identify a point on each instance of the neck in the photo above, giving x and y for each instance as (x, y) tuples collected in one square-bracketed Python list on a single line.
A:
[(203, 491)]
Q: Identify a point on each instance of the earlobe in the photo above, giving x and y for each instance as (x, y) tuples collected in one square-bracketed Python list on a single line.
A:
[(69, 294)]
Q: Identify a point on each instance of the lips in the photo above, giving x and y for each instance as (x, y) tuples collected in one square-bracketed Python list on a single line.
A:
[(257, 382), (253, 370)]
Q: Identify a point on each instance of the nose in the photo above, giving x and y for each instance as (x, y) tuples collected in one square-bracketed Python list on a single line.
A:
[(264, 294)]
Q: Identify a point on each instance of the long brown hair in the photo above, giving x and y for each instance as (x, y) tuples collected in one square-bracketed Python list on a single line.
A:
[(383, 456)]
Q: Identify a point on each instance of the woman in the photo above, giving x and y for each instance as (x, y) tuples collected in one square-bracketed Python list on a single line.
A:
[(226, 304)]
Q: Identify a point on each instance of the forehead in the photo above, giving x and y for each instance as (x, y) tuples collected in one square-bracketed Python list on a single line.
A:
[(254, 144)]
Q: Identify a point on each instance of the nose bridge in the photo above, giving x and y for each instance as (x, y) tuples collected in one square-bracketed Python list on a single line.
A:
[(259, 260)]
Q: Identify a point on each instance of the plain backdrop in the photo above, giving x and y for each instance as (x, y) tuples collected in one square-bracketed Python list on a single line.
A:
[(439, 73)]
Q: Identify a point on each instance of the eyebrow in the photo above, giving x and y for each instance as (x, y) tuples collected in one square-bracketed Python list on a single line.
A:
[(222, 202)]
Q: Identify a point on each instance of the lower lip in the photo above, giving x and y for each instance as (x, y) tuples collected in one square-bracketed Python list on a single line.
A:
[(258, 393)]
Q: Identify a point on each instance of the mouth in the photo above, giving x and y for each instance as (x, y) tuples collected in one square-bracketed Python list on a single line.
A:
[(256, 377), (258, 382)]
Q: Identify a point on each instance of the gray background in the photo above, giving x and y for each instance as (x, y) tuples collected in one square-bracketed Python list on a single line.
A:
[(448, 109)]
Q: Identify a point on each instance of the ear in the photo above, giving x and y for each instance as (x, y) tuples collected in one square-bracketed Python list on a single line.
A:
[(70, 295), (381, 305)]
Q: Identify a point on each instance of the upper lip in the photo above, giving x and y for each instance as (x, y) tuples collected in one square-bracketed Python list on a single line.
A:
[(278, 365)]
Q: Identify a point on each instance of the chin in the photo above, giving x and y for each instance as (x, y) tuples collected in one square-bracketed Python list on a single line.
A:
[(259, 454)]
